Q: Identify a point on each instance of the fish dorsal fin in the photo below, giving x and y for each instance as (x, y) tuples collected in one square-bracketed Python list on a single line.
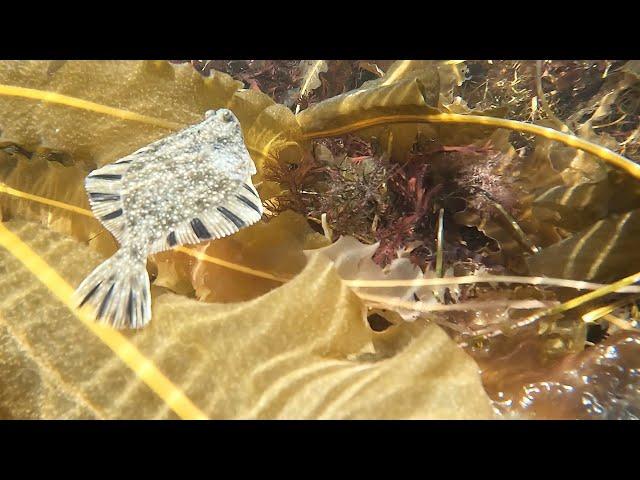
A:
[(104, 187), (243, 209)]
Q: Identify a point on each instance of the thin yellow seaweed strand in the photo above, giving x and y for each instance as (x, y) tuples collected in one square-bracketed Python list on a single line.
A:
[(125, 350), (232, 266), (557, 282), (46, 201), (428, 308), (570, 140), (467, 279), (54, 97), (598, 313), (620, 323), (578, 301), (74, 102), (83, 211)]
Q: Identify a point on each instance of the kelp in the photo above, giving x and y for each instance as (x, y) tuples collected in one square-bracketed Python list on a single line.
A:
[(353, 261), (111, 109), (372, 109), (50, 180), (293, 343), (569, 180), (64, 382), (406, 84), (407, 87), (596, 207), (303, 350), (561, 192), (99, 111), (275, 247), (559, 187), (603, 252)]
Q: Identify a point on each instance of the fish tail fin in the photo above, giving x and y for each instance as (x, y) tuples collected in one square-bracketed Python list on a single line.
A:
[(118, 290)]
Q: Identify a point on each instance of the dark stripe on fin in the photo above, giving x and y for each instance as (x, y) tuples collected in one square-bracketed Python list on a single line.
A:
[(250, 189), (199, 229), (105, 301), (104, 197), (120, 162), (248, 202), (172, 240), (237, 221), (112, 215), (145, 300), (90, 294), (130, 306), (106, 176)]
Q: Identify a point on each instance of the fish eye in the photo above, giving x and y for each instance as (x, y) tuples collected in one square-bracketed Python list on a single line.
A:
[(227, 116)]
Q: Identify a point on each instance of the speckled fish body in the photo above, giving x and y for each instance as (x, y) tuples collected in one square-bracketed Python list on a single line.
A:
[(192, 186)]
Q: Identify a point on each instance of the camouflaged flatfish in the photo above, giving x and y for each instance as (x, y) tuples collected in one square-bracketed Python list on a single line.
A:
[(192, 186)]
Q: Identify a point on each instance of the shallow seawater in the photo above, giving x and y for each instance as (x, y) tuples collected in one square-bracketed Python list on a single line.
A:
[(281, 230)]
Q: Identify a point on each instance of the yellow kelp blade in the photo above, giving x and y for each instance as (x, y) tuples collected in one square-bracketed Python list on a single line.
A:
[(127, 352)]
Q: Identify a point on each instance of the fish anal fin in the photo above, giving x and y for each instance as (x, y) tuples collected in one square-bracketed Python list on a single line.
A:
[(242, 209)]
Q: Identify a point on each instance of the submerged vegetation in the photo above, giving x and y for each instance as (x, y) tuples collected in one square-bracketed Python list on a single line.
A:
[(432, 233)]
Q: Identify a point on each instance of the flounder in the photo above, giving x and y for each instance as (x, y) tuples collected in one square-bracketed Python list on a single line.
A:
[(189, 187)]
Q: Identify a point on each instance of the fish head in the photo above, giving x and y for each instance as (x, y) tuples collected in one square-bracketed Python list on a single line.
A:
[(222, 129), (223, 122)]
